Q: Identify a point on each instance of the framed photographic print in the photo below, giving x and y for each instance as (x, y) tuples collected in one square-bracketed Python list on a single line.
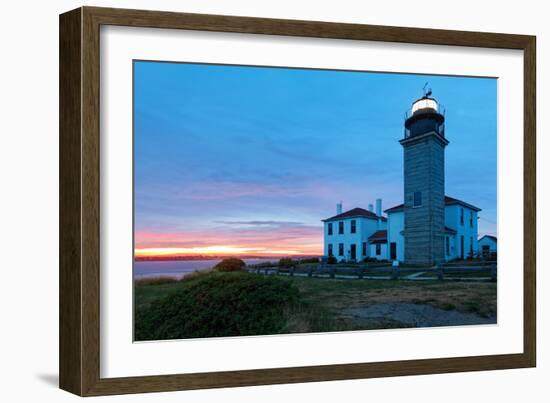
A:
[(249, 201)]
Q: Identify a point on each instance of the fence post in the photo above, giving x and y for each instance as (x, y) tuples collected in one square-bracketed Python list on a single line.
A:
[(332, 271), (360, 274), (440, 271), (395, 272), (292, 270), (493, 272)]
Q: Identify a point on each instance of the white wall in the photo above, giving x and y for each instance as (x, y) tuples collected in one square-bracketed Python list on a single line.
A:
[(364, 228), (29, 216), (452, 220), (383, 251), (396, 224)]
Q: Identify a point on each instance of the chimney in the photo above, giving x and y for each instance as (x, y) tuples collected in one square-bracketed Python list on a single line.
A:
[(379, 213), (371, 208), (339, 208)]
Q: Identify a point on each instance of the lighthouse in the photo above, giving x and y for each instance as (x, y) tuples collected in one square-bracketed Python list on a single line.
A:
[(424, 145)]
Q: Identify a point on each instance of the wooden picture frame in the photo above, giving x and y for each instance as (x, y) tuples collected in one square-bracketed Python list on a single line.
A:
[(79, 346)]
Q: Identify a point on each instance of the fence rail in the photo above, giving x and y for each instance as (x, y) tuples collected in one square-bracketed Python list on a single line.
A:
[(469, 272)]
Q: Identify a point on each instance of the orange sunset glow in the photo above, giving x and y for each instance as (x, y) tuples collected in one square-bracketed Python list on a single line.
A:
[(217, 250), (257, 239)]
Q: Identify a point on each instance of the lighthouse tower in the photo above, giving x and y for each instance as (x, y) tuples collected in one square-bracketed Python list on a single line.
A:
[(424, 145)]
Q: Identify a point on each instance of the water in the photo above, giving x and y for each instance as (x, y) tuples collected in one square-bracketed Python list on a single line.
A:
[(180, 268)]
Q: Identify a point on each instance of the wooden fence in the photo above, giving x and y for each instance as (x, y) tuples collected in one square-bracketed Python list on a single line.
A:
[(468, 272)]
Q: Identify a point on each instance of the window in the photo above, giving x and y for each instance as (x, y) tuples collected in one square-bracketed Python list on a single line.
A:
[(417, 199), (471, 219), (461, 216), (330, 249), (330, 228), (340, 249), (447, 246), (353, 226), (364, 249), (341, 227), (393, 250), (378, 249)]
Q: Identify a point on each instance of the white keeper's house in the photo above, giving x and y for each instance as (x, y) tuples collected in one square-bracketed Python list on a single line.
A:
[(429, 227)]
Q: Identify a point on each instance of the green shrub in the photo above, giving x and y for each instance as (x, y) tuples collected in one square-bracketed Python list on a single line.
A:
[(195, 274), (154, 281), (309, 260), (217, 305), (286, 262), (332, 260), (263, 265), (370, 260), (230, 264)]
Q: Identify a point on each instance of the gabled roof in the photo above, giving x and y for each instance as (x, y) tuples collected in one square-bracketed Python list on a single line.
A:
[(494, 238), (380, 236), (356, 212), (394, 209), (449, 201)]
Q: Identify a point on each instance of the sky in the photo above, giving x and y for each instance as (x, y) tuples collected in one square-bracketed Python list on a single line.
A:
[(248, 160)]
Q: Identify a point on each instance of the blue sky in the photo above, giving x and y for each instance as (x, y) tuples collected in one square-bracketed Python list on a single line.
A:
[(253, 157)]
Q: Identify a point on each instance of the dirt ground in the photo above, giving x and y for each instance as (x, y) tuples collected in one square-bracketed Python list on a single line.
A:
[(378, 303)]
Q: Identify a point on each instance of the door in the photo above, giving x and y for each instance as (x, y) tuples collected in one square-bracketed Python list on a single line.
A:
[(353, 251), (462, 246), (393, 251)]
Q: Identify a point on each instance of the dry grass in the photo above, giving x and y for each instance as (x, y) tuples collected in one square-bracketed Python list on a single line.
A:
[(471, 297)]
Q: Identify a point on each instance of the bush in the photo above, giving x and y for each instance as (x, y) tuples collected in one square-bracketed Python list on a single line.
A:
[(309, 260), (195, 274), (332, 260), (230, 264), (370, 260), (219, 305), (154, 281), (263, 265), (286, 262)]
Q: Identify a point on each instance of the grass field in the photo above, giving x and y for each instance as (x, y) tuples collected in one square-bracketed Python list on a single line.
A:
[(321, 305)]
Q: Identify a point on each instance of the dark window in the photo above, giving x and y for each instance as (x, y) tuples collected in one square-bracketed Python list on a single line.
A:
[(364, 249), (330, 228), (341, 227), (378, 249), (353, 226), (340, 249), (393, 250), (417, 199), (471, 219), (486, 249), (353, 251), (447, 246), (461, 216), (330, 249)]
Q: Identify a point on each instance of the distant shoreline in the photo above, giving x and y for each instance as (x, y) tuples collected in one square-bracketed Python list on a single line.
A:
[(202, 257)]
